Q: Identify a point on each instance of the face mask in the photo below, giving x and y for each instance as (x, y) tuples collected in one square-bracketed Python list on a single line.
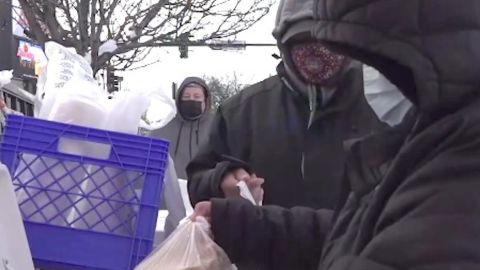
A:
[(315, 63), (385, 99), (190, 108)]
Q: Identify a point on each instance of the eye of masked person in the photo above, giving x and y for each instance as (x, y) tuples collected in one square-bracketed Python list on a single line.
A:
[(315, 63), (193, 93)]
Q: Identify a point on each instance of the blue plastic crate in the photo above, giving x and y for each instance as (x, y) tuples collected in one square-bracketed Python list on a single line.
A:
[(89, 198)]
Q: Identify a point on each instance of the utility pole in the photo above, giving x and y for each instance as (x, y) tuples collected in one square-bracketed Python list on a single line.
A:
[(174, 90), (6, 37)]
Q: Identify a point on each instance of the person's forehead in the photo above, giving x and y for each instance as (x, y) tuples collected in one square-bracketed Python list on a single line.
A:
[(193, 89)]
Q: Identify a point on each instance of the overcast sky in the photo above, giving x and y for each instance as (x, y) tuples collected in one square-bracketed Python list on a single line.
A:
[(251, 65)]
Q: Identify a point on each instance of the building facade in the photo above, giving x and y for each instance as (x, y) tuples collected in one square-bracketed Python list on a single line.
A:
[(21, 55)]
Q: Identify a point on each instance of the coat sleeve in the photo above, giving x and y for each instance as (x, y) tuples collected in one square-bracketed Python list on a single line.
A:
[(269, 237), (207, 168), (432, 220)]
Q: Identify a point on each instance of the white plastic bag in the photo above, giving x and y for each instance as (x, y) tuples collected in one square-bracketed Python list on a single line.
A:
[(173, 200), (80, 103), (161, 111), (5, 77), (188, 248), (63, 66), (125, 111), (67, 93)]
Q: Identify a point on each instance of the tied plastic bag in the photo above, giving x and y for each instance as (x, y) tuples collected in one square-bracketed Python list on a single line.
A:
[(189, 247)]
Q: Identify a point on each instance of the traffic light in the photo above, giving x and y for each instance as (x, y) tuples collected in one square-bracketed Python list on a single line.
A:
[(183, 51), (113, 81)]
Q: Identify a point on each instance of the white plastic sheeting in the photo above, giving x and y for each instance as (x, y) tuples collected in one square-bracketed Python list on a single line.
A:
[(14, 251), (387, 101)]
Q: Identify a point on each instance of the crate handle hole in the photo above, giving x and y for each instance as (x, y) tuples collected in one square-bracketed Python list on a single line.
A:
[(84, 148)]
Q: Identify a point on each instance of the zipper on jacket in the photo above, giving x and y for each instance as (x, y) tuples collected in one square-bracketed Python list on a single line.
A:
[(197, 133), (312, 103), (302, 166), (312, 106), (179, 135), (190, 141)]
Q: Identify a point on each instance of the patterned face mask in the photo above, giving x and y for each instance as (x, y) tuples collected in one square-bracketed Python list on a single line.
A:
[(315, 63)]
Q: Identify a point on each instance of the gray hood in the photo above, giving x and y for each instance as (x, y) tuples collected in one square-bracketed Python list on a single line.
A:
[(295, 20), (293, 12), (184, 84)]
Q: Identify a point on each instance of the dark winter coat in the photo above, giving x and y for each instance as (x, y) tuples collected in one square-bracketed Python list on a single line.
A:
[(185, 135), (284, 135), (424, 212)]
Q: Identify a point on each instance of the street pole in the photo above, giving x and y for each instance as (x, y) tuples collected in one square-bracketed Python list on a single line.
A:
[(6, 38), (214, 45)]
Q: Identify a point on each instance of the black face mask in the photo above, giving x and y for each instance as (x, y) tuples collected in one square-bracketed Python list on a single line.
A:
[(190, 109)]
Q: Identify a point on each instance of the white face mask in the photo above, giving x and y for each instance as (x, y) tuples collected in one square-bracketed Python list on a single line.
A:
[(386, 100)]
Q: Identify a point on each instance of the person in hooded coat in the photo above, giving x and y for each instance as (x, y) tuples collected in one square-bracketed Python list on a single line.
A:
[(289, 129), (190, 126), (424, 212)]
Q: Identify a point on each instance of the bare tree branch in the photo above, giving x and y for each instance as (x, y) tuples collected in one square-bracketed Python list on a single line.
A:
[(72, 23), (32, 13), (138, 26), (222, 88), (104, 20), (144, 65), (154, 10)]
